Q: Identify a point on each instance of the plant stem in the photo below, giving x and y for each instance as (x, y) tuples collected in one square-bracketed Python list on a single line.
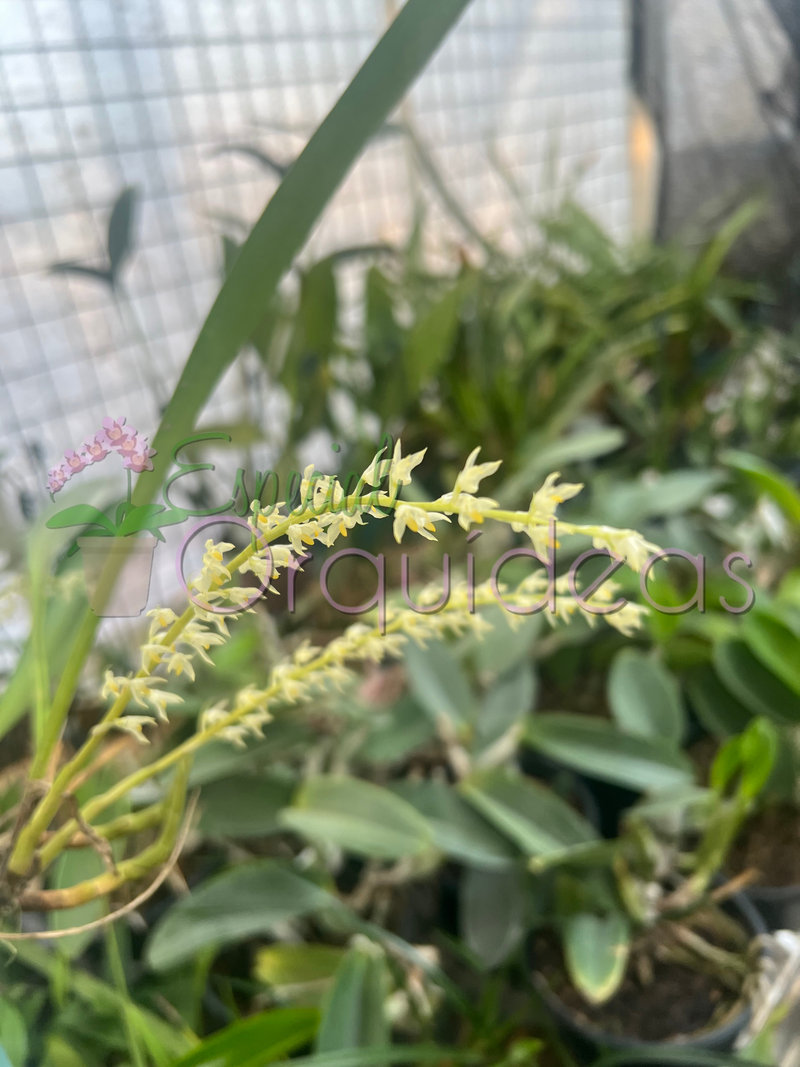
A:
[(118, 975)]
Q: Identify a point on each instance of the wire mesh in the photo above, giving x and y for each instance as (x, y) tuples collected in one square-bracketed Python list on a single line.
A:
[(152, 93)]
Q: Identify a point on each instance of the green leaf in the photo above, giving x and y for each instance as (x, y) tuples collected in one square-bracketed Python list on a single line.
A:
[(289, 217), (359, 817), (247, 900), (768, 479), (645, 698), (263, 1038), (509, 700), (775, 645), (754, 685), (596, 949), (540, 459), (243, 806), (535, 818), (120, 230), (458, 830), (439, 683), (432, 336), (631, 503), (74, 866), (353, 1014), (289, 964), (379, 1055), (597, 748), (709, 262), (81, 515), (503, 647), (492, 913), (393, 736), (716, 708), (13, 1035)]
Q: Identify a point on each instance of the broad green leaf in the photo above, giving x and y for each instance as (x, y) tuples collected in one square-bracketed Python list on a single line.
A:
[(438, 682), (120, 231), (220, 759), (80, 515), (754, 685), (353, 1013), (357, 816), (630, 503), (775, 645), (432, 337), (503, 647), (380, 1055), (289, 964), (535, 818), (716, 708), (596, 949), (645, 698), (540, 459), (247, 900), (510, 699), (393, 736), (263, 1038), (458, 830), (492, 913), (767, 478), (597, 748), (13, 1035), (74, 866), (243, 806)]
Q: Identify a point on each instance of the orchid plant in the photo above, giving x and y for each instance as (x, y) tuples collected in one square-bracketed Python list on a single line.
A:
[(114, 436), (174, 641)]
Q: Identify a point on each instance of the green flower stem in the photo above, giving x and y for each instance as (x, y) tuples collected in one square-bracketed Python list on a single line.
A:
[(22, 856), (47, 808), (132, 823), (128, 870)]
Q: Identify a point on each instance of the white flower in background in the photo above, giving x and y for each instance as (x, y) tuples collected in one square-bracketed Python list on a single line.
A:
[(416, 519), (161, 701), (545, 501), (377, 470), (162, 618), (180, 662), (400, 472), (338, 524), (304, 533), (129, 724), (628, 544), (471, 476), (470, 508), (291, 689)]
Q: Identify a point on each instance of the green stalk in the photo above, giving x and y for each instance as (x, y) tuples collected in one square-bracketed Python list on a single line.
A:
[(268, 253), (118, 975)]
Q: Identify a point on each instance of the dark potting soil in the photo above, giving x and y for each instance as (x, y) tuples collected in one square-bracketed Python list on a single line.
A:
[(770, 843), (677, 1003)]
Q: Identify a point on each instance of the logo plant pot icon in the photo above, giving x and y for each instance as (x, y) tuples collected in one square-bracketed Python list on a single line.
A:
[(117, 572), (117, 552)]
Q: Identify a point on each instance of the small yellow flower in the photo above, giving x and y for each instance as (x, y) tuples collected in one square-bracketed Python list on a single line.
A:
[(400, 472), (473, 474), (416, 519)]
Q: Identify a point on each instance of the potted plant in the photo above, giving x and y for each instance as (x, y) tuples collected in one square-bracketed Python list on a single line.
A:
[(636, 949), (117, 552)]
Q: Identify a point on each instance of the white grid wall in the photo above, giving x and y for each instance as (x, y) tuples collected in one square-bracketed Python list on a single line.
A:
[(96, 95)]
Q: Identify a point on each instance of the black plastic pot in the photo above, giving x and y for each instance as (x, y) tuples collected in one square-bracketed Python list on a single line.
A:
[(779, 906), (588, 1043)]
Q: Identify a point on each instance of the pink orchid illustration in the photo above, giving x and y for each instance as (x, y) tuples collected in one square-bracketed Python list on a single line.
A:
[(95, 448), (115, 431), (140, 461), (114, 436), (74, 461), (129, 445), (56, 479)]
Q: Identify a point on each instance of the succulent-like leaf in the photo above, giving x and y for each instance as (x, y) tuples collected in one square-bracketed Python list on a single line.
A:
[(645, 698), (596, 949)]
